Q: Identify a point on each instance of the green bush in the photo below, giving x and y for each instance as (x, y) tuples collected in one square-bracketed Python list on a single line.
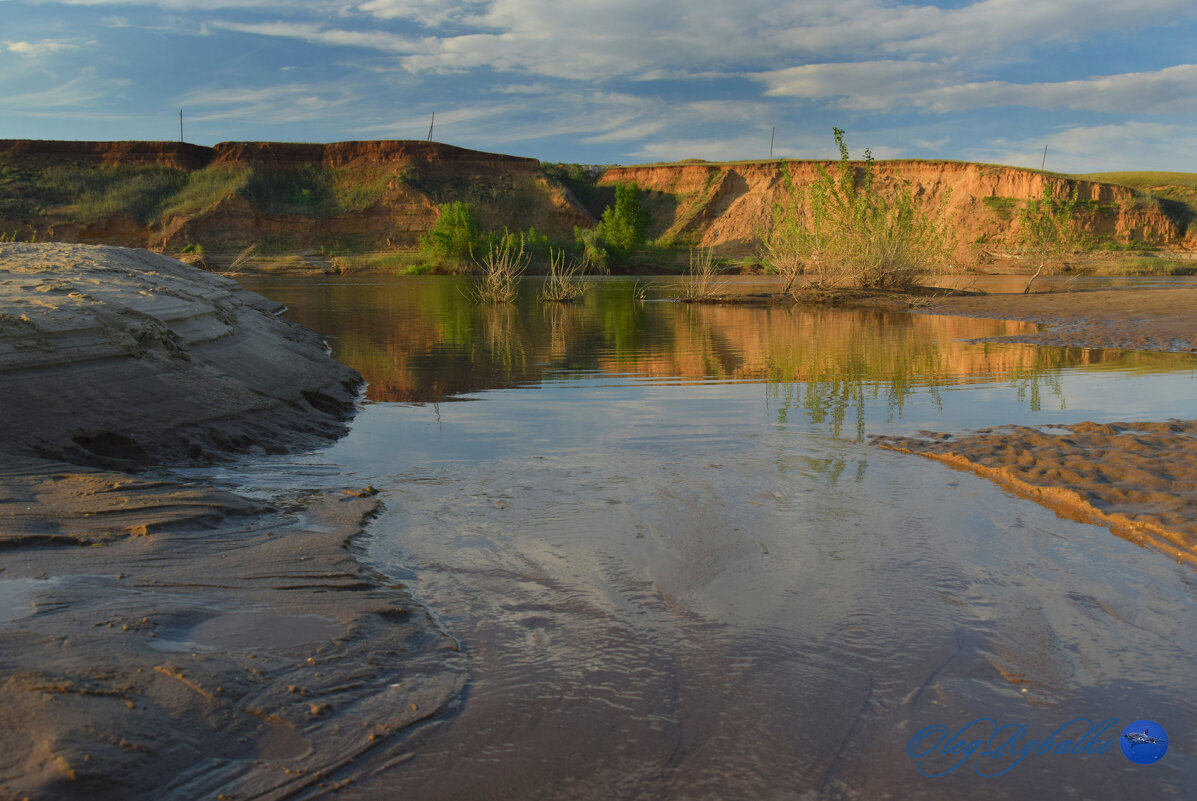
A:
[(454, 235), (1048, 233), (625, 226), (854, 233), (593, 253)]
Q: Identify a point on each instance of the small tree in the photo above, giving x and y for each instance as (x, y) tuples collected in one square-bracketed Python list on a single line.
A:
[(1047, 233), (454, 234), (625, 226), (853, 233)]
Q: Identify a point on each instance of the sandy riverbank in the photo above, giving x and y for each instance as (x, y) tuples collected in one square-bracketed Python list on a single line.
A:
[(1127, 319), (204, 644), (1138, 479)]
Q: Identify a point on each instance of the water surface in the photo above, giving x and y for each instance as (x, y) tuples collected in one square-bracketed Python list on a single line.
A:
[(677, 569)]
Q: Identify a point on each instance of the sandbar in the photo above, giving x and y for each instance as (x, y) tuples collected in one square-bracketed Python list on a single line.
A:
[(1139, 479)]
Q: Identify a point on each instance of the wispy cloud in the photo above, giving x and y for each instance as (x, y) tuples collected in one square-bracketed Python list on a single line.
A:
[(894, 85), (84, 90), (1094, 148), (316, 34), (37, 48), (278, 103)]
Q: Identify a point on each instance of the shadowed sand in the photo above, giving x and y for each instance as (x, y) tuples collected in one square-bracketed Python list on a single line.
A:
[(1139, 479), (162, 641)]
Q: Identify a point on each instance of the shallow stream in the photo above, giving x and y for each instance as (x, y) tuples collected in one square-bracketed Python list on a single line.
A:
[(677, 568)]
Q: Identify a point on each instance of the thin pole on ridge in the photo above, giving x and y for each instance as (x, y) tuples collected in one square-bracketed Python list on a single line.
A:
[(430, 124)]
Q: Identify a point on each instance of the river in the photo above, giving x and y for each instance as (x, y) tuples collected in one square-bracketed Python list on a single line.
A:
[(677, 569)]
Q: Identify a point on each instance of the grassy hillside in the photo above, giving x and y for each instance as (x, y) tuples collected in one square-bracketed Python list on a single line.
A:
[(1177, 191), (151, 194)]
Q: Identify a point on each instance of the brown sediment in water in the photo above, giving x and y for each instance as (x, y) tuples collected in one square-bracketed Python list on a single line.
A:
[(1129, 319), (165, 640), (1138, 479)]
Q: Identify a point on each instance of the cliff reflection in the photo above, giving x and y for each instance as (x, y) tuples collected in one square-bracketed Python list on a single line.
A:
[(421, 340)]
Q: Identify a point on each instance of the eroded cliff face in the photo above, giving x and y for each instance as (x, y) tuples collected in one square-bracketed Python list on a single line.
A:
[(376, 195), (287, 196), (727, 206)]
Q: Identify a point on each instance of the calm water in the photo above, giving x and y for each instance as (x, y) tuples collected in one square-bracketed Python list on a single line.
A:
[(677, 569)]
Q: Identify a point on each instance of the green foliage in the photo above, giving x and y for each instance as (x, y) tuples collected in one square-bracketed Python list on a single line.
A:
[(315, 189), (625, 226), (89, 194), (580, 179), (593, 252), (205, 188), (454, 235), (1048, 233), (537, 246), (1002, 207), (854, 233)]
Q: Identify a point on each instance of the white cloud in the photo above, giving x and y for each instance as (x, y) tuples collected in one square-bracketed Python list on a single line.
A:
[(375, 40), (934, 145), (37, 48), (861, 85), (989, 26), (894, 85), (273, 104), (82, 90), (428, 13), (1098, 148)]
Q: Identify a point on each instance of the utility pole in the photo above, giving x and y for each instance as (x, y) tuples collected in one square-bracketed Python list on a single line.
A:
[(1043, 163), (180, 125), (771, 142), (430, 124)]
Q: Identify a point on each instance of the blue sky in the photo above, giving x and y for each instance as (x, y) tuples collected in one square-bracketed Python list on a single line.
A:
[(1104, 84)]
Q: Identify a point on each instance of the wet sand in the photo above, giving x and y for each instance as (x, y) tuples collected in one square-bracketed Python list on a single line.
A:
[(1138, 479), (1127, 319), (165, 640)]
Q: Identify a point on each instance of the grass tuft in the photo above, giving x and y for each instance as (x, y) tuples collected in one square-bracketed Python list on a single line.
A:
[(501, 269), (564, 283), (700, 282)]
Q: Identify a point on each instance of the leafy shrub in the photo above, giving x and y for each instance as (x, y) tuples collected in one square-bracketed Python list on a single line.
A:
[(1048, 233), (855, 234), (454, 234), (625, 226)]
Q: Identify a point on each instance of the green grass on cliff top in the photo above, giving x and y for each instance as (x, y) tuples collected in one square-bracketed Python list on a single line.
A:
[(1144, 180)]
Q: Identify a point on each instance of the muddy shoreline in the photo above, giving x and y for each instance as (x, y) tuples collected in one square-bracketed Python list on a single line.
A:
[(165, 640), (1127, 319), (169, 641), (1137, 479)]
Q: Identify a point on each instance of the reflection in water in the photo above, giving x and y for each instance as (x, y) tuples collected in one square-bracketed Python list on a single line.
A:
[(420, 340), (677, 572)]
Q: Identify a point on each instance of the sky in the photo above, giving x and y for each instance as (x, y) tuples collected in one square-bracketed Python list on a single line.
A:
[(1102, 84)]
